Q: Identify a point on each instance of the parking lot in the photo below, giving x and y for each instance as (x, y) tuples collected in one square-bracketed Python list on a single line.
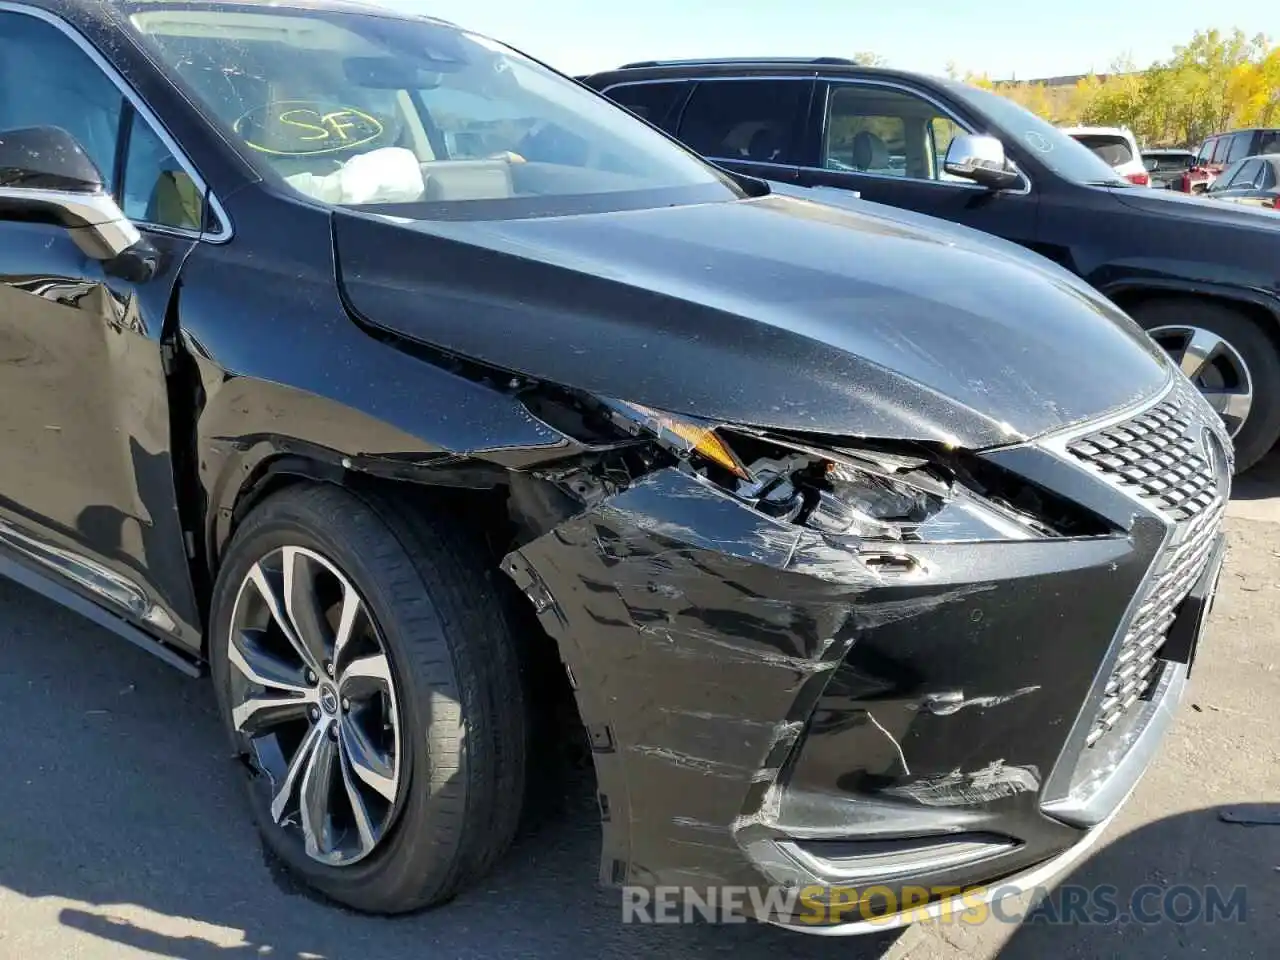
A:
[(123, 835)]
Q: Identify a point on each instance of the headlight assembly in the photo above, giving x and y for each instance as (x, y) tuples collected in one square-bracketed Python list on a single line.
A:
[(837, 489)]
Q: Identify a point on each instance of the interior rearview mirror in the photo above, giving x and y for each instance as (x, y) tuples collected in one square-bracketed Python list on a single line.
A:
[(981, 159), (46, 175)]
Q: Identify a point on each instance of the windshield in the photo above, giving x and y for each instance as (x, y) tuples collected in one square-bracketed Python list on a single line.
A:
[(1060, 153), (378, 111)]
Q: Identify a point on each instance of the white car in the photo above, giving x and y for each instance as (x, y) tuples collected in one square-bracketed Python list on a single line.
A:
[(1118, 147)]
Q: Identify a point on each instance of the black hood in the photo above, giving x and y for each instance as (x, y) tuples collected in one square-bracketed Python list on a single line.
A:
[(773, 312), (1195, 208)]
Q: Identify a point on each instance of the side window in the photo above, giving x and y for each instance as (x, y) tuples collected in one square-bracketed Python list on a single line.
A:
[(1269, 142), (1268, 179), (47, 80), (1206, 152), (1220, 149), (1239, 148), (156, 189), (1246, 174), (650, 101), (887, 132), (749, 120)]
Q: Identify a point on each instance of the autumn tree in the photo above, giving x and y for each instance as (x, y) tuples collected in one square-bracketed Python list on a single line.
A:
[(1217, 81)]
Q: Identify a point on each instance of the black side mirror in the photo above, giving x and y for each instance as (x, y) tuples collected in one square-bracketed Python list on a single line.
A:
[(46, 174), (46, 158)]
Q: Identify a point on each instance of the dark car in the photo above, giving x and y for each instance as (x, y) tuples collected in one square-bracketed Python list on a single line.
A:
[(350, 356), (1254, 181), (1218, 151), (1204, 280), (1167, 166)]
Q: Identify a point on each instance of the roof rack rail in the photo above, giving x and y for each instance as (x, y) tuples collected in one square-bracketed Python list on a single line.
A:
[(698, 61)]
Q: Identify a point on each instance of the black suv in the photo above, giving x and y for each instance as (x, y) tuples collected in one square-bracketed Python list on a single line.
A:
[(1203, 280)]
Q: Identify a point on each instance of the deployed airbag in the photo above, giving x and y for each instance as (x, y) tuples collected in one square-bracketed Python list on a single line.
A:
[(389, 175)]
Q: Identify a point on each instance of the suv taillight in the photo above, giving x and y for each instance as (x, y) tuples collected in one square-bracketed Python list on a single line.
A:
[(1140, 179)]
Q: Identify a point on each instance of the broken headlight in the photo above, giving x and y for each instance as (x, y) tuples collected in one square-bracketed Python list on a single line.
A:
[(860, 491)]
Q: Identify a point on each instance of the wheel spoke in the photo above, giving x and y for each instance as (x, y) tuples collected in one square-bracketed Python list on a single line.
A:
[(1232, 406), (271, 597), (302, 604), (1199, 351), (359, 811), (258, 666), (317, 783), (297, 765), (367, 763), (365, 676), (257, 714), (347, 617)]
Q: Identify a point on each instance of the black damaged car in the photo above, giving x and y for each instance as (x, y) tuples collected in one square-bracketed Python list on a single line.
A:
[(348, 355)]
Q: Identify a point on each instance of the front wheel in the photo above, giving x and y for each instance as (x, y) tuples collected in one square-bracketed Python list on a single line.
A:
[(367, 676), (1233, 362)]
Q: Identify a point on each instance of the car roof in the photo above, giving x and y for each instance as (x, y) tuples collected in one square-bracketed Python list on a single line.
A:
[(1232, 133), (640, 70)]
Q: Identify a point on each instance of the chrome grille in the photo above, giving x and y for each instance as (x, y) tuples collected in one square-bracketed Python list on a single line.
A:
[(1164, 457), (1158, 455), (1135, 666)]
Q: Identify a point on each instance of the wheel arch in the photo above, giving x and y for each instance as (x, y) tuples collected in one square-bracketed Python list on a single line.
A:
[(1258, 305)]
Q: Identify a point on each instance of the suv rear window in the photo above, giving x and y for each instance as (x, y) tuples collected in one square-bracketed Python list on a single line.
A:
[(1111, 148), (746, 120), (1269, 141)]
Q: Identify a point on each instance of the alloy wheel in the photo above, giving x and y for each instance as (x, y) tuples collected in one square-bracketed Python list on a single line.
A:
[(1215, 367), (313, 692)]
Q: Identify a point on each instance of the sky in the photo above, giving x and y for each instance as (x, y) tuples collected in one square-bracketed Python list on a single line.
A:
[(1005, 40)]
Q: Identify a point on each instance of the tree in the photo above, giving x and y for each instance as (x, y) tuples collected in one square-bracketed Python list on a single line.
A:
[(1217, 81), (869, 59)]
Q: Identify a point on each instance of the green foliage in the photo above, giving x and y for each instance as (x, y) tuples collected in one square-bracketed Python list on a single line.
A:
[(1218, 81)]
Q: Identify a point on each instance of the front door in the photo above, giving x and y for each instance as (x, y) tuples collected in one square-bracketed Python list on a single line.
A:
[(888, 142), (87, 491)]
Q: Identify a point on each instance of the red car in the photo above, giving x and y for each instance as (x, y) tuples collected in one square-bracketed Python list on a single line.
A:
[(1224, 148)]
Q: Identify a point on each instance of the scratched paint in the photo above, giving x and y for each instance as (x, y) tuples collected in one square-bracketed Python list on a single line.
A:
[(996, 781)]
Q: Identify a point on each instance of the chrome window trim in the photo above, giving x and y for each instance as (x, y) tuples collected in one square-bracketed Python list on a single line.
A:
[(831, 82), (224, 231)]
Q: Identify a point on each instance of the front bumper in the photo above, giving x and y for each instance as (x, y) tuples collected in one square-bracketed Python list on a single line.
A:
[(769, 712)]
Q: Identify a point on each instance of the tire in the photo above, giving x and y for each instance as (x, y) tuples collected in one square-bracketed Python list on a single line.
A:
[(1261, 354), (454, 704)]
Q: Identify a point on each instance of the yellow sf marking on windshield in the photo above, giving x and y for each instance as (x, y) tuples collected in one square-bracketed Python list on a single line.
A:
[(315, 132)]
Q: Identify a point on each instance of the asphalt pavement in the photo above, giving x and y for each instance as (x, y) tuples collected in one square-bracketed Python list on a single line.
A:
[(123, 835)]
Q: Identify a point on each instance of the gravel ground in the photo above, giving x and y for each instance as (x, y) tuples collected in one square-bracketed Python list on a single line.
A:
[(123, 836)]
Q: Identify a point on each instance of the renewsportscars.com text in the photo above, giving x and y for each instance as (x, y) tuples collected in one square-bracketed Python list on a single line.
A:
[(825, 906)]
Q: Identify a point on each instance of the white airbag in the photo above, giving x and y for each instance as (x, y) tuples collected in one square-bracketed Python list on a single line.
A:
[(389, 175)]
